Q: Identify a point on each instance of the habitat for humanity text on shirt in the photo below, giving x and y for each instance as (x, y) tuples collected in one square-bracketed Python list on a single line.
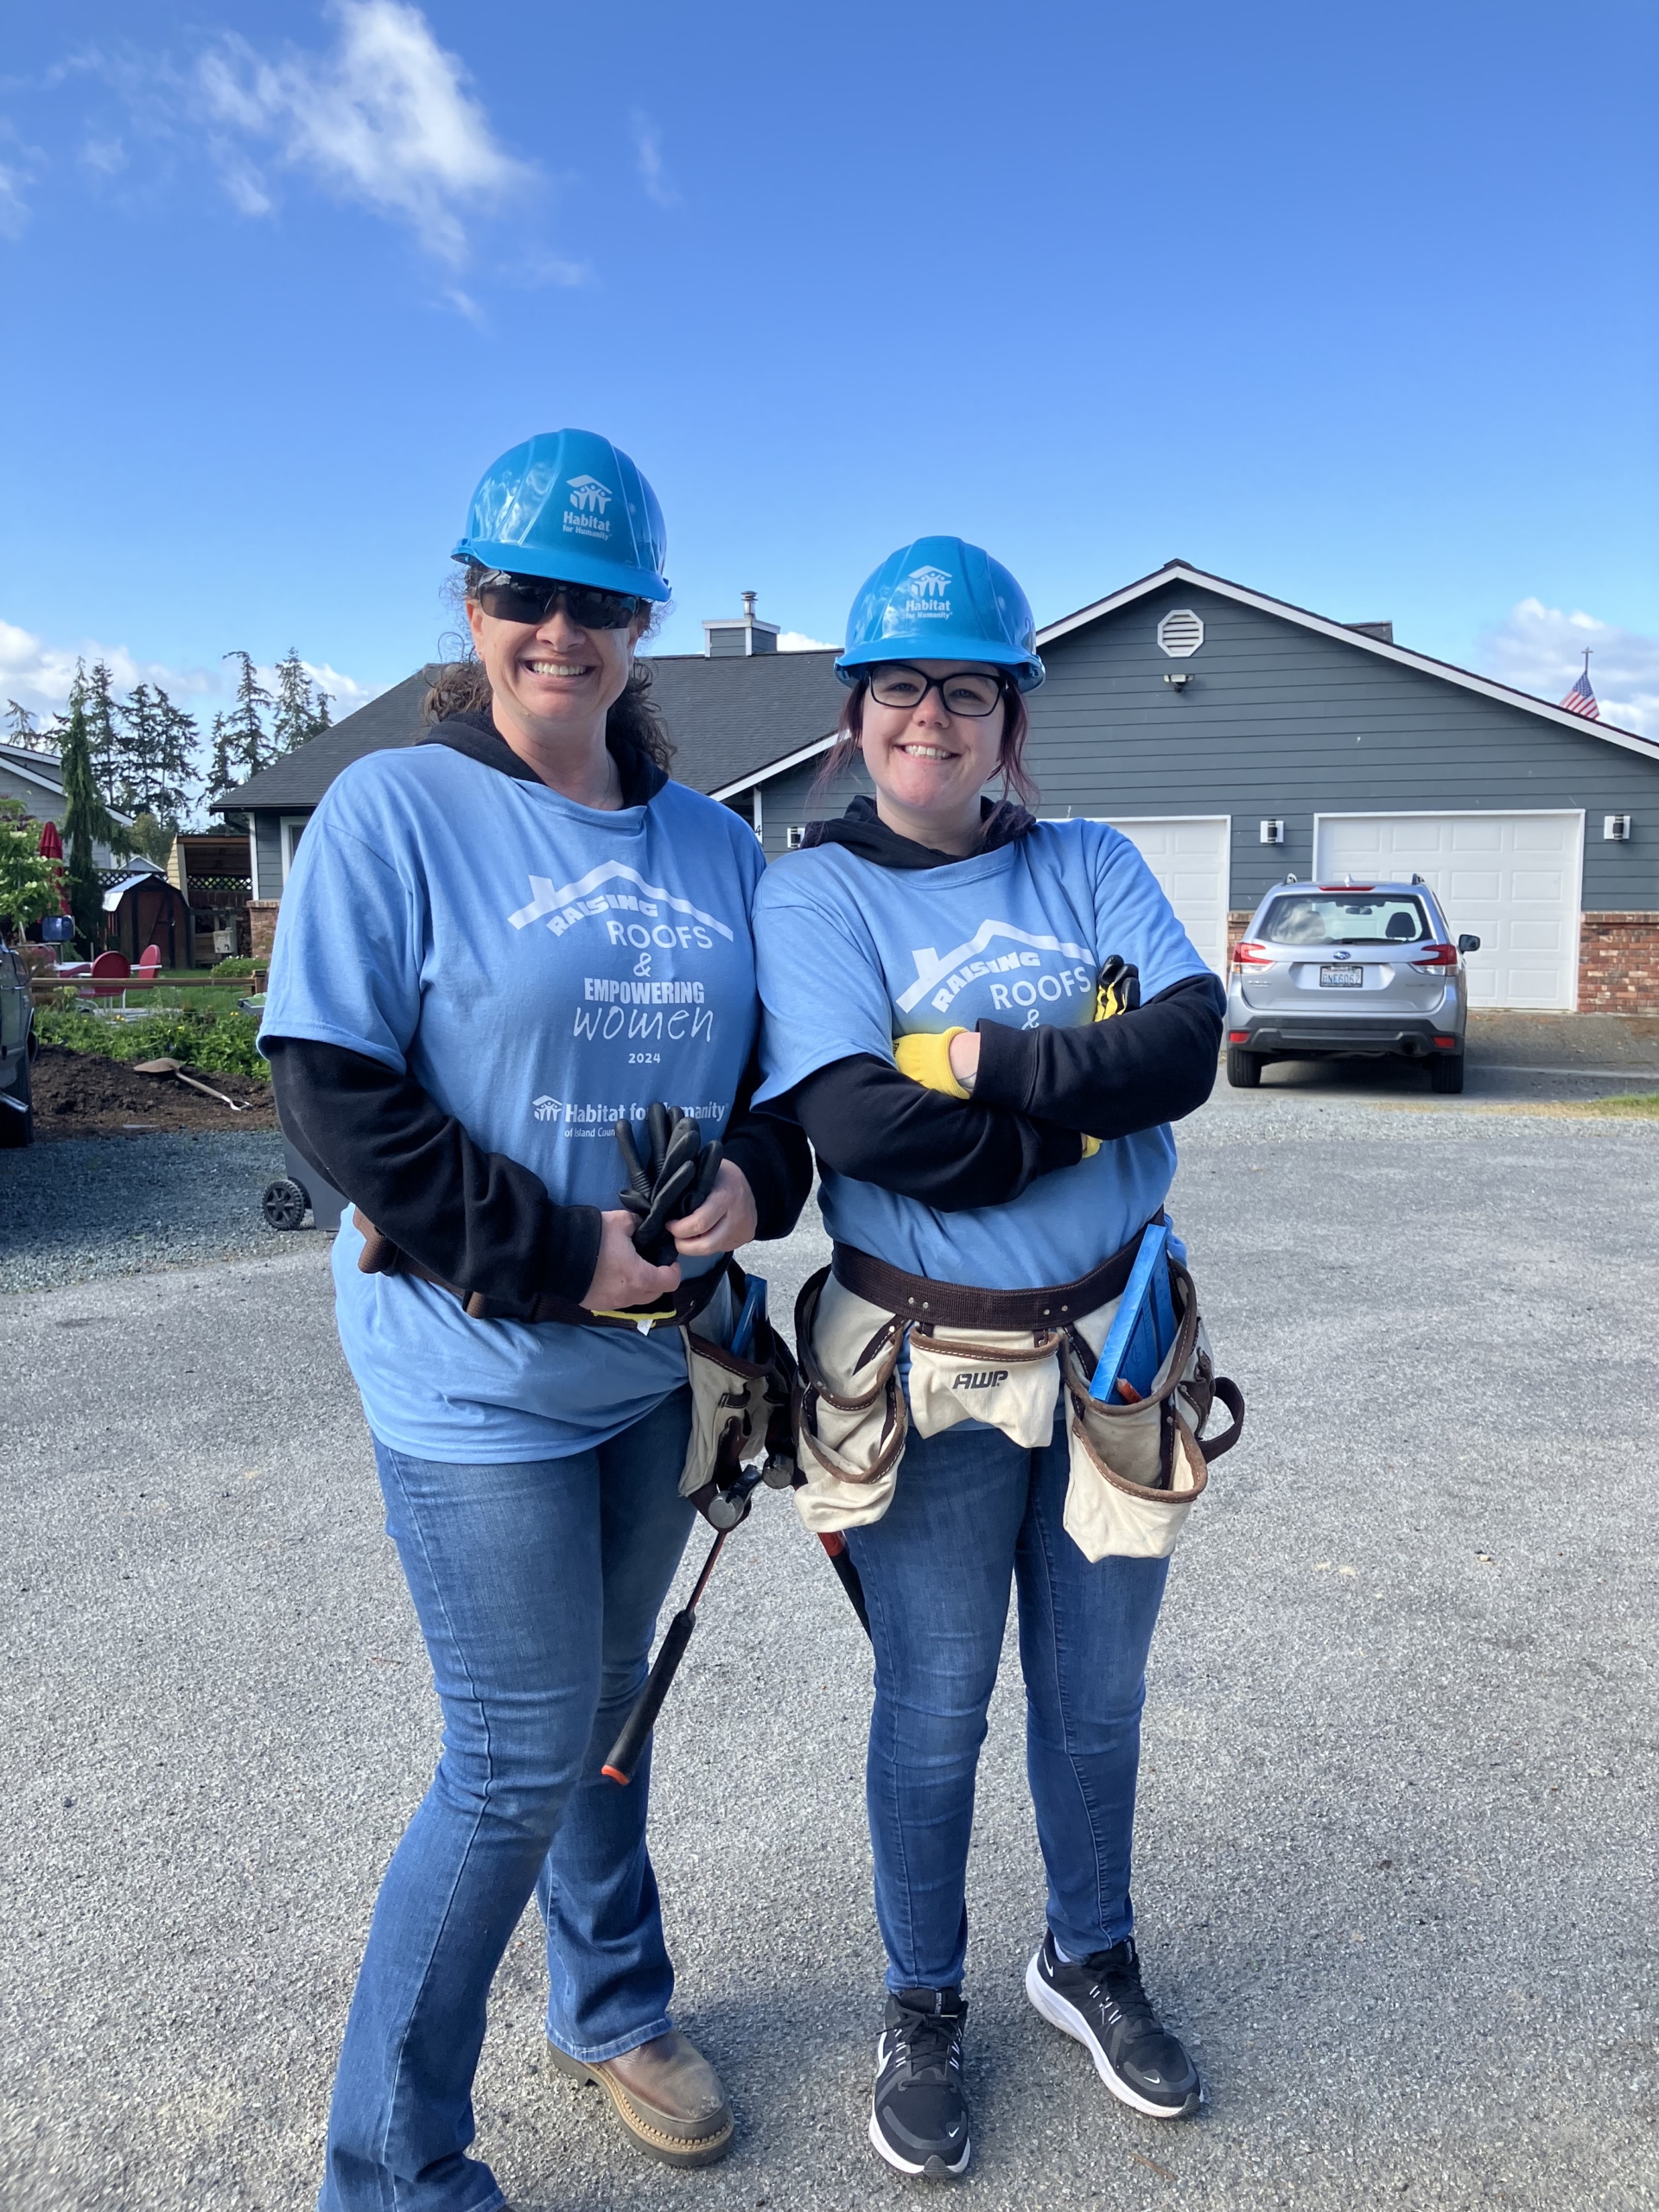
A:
[(541, 969), (852, 956)]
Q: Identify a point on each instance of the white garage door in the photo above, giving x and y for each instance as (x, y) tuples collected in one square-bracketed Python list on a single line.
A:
[(1190, 856), (1513, 879)]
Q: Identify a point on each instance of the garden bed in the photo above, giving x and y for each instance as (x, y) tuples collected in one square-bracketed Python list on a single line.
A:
[(84, 1094)]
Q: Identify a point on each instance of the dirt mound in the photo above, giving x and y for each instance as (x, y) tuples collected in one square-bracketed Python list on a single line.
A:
[(78, 1095)]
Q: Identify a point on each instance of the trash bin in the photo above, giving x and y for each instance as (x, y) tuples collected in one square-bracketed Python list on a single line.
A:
[(301, 1191)]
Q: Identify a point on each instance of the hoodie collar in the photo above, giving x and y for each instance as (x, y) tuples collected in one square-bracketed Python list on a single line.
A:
[(863, 831), (479, 739)]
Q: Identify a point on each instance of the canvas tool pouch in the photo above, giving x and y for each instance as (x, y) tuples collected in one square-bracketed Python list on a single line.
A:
[(1137, 1470), (851, 1419), (1008, 1378), (740, 1407)]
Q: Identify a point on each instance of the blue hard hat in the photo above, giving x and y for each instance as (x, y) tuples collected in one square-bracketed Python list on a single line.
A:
[(942, 599), (570, 505)]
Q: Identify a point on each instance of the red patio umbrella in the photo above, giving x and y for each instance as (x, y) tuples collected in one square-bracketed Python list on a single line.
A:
[(51, 846)]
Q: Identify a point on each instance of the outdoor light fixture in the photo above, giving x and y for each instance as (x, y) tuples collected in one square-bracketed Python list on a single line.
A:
[(1178, 678), (1616, 828), (1273, 832)]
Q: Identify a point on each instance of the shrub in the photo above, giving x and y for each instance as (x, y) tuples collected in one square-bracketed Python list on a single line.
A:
[(238, 964), (221, 1042)]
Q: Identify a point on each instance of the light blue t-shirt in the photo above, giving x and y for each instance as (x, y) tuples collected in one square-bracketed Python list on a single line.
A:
[(851, 956), (541, 968)]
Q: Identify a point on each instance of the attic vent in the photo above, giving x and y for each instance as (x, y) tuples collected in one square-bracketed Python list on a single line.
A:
[(1181, 633)]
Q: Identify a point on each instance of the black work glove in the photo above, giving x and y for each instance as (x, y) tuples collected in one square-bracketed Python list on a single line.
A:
[(673, 1179)]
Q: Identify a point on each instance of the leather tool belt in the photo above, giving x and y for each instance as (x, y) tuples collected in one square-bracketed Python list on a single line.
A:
[(380, 1256), (959, 1305), (1010, 1360)]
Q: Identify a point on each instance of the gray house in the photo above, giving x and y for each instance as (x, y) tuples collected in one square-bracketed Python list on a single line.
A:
[(1235, 738)]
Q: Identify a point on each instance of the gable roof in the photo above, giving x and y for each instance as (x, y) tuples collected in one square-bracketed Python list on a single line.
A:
[(725, 716), (1360, 635), (298, 781)]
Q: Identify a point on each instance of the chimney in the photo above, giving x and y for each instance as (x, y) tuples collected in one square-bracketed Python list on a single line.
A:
[(739, 638)]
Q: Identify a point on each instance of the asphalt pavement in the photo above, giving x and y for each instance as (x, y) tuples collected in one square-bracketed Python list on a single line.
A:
[(1396, 1849)]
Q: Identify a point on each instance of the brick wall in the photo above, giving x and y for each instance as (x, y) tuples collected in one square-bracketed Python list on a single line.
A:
[(262, 926), (1238, 922), (1618, 964)]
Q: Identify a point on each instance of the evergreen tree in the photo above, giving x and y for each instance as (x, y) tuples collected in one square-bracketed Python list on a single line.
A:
[(105, 737), (248, 745), (301, 709), (323, 719), (24, 728), (222, 769), (157, 757), (86, 819)]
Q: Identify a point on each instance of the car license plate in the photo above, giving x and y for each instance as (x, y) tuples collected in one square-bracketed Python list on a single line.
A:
[(1333, 977)]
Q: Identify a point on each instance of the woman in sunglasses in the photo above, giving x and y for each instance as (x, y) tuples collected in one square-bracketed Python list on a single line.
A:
[(495, 945), (990, 1113)]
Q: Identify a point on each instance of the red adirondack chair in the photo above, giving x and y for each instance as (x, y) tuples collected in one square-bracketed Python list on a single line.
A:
[(109, 972)]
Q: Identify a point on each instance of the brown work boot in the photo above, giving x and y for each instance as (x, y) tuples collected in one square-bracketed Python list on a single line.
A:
[(666, 2094)]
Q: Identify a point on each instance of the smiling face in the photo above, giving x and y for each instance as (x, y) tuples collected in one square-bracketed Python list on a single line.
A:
[(929, 766), (554, 681)]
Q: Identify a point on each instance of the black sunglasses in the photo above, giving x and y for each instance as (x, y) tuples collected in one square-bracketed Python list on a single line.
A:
[(532, 599)]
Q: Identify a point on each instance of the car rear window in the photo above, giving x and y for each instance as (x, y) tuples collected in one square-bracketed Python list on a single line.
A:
[(1345, 918)]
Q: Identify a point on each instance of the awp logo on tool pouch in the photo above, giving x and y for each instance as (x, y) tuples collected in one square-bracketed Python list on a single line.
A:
[(588, 500), (926, 594), (975, 1379)]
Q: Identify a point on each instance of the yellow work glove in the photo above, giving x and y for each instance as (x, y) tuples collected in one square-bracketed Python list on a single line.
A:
[(926, 1059), (1117, 987), (1117, 990)]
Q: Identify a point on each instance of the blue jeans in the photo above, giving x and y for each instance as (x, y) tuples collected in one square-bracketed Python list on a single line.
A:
[(537, 1586), (971, 1512)]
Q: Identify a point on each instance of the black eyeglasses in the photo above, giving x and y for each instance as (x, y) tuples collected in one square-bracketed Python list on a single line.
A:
[(532, 599), (966, 692)]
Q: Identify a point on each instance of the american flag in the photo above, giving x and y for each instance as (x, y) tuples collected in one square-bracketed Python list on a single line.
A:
[(1581, 700)]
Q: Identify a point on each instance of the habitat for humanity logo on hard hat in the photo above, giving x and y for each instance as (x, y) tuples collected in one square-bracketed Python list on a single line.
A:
[(925, 595), (588, 500)]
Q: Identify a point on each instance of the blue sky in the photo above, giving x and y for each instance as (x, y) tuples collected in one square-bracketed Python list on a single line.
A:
[(1355, 306)]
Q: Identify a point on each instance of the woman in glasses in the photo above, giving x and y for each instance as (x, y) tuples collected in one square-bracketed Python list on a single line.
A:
[(494, 945), (991, 1148)]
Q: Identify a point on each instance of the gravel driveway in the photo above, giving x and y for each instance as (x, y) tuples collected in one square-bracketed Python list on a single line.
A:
[(1397, 1840)]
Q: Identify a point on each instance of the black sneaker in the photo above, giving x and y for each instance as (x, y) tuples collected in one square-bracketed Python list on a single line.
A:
[(918, 2116), (1101, 2002)]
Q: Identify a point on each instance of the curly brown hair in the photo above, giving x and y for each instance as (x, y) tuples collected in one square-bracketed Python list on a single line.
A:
[(460, 688)]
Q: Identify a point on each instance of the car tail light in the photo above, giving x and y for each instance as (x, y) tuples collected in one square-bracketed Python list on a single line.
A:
[(1438, 956), (1238, 1036), (1248, 953)]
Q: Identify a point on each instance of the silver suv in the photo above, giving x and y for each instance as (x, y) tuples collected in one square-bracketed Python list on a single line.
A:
[(1336, 969)]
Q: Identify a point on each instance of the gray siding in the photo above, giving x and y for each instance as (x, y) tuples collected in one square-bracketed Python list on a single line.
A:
[(789, 799), (1279, 720), (268, 834)]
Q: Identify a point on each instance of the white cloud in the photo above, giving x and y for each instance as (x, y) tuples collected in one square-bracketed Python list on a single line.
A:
[(14, 208), (19, 169), (103, 156), (648, 157), (1540, 649), (38, 676), (797, 641), (385, 118)]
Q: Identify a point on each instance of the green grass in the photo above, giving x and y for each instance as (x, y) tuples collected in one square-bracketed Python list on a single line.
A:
[(221, 1042), (1634, 1105)]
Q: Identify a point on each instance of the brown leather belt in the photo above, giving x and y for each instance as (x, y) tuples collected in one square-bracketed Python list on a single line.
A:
[(380, 1256), (960, 1305)]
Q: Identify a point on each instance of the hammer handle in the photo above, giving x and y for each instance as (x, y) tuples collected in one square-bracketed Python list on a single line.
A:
[(627, 1750)]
